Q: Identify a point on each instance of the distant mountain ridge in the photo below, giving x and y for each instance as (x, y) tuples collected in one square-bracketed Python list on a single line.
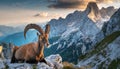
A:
[(7, 30), (18, 38)]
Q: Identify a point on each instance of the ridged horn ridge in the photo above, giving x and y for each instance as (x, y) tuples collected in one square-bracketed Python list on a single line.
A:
[(33, 26)]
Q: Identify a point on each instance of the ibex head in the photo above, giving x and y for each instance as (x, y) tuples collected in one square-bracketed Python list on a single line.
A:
[(42, 36)]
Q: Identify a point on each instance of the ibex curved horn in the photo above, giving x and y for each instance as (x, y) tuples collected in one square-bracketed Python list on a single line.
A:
[(33, 26)]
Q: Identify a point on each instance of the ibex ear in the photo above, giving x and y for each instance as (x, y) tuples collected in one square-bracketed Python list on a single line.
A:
[(47, 30)]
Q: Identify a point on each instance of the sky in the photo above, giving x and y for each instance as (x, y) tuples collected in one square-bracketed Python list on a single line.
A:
[(18, 12)]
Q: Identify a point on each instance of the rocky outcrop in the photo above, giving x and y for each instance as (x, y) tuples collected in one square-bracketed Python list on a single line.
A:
[(7, 50), (53, 62)]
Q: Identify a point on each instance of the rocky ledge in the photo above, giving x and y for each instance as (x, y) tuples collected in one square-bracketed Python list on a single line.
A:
[(54, 62)]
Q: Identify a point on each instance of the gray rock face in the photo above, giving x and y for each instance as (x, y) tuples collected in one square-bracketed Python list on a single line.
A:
[(109, 27), (106, 54), (107, 12), (113, 24), (76, 32)]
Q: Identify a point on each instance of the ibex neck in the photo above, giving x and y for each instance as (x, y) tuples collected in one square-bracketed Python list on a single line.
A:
[(40, 48)]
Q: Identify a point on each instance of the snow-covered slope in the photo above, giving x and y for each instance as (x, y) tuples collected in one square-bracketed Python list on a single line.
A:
[(104, 54)]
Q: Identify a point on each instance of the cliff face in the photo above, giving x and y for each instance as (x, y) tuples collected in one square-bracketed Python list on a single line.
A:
[(113, 24)]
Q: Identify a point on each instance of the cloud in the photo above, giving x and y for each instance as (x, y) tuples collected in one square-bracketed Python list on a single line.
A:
[(47, 16), (76, 3), (69, 3), (42, 14)]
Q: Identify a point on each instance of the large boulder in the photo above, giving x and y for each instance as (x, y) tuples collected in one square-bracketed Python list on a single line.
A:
[(55, 61)]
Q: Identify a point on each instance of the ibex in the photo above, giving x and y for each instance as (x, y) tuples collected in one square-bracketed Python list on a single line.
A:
[(32, 52)]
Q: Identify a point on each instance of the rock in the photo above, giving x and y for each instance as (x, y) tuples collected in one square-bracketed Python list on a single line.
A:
[(20, 66), (1, 53), (54, 62), (1, 49), (105, 54), (44, 66), (2, 66), (7, 50)]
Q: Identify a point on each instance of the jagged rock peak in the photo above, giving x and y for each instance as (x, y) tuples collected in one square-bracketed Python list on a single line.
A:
[(109, 8), (92, 6), (107, 12), (93, 12)]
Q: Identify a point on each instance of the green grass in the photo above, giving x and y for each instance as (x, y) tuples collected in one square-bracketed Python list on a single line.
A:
[(68, 65), (101, 45), (114, 64), (34, 66), (101, 65), (6, 67)]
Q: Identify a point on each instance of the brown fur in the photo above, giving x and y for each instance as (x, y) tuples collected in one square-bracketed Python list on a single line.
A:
[(13, 60), (32, 52)]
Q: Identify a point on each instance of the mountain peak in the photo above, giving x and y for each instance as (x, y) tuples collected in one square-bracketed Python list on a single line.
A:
[(92, 11), (92, 6)]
